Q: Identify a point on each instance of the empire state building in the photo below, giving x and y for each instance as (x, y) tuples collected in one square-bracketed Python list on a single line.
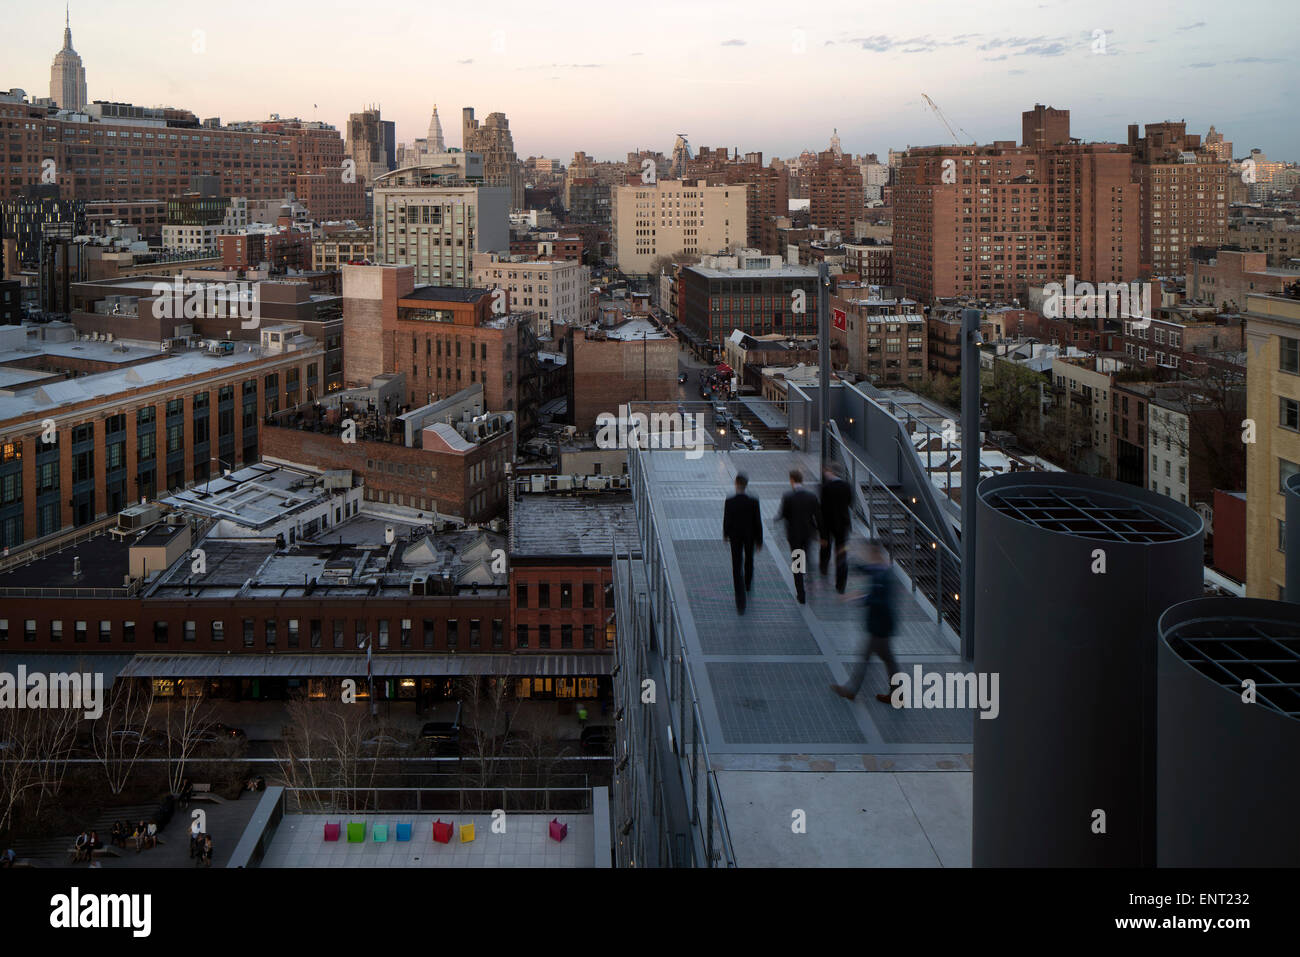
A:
[(67, 75)]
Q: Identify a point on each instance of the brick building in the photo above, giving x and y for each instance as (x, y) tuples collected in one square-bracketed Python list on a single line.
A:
[(884, 337), (615, 363), (767, 188), (713, 302), (835, 194), (1225, 277), (283, 249)]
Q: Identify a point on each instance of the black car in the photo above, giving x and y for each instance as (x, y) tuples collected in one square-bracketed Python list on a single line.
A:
[(597, 739), (443, 736)]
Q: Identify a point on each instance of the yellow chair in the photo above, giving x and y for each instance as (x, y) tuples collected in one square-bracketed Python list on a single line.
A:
[(466, 833)]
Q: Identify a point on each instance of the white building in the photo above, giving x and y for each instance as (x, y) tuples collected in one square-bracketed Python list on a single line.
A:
[(554, 290), (674, 216)]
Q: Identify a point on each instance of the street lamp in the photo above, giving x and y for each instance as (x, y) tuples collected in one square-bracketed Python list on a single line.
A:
[(207, 486)]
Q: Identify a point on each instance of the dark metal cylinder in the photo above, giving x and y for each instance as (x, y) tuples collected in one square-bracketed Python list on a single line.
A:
[(1292, 494), (1074, 573), (1228, 771)]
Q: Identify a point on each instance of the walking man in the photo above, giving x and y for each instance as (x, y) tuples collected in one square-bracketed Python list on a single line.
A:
[(835, 523), (196, 833), (742, 526), (879, 602), (799, 508)]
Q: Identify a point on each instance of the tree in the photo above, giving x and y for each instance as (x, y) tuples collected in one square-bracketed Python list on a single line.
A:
[(35, 744), (184, 724), (324, 749), (121, 733)]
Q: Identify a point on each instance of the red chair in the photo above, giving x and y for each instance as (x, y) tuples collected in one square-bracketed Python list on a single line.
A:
[(559, 831), (332, 831), (442, 831)]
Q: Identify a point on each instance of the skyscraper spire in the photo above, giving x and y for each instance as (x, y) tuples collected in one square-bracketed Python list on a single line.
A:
[(67, 75), (435, 142), (67, 26)]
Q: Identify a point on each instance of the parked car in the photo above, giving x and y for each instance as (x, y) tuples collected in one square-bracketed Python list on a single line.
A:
[(597, 739), (739, 447), (744, 434), (754, 444), (443, 736), (385, 741), (142, 738), (226, 731)]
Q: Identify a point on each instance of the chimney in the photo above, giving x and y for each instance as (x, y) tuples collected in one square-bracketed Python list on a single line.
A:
[(76, 568)]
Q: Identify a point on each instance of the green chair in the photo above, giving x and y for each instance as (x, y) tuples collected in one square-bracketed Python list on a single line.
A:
[(356, 832), (379, 833)]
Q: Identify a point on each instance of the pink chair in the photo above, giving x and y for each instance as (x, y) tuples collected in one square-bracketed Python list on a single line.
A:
[(559, 831), (332, 829)]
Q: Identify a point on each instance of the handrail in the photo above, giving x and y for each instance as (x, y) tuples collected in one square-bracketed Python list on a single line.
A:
[(681, 687)]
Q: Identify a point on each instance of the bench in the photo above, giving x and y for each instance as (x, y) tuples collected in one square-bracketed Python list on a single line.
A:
[(203, 792)]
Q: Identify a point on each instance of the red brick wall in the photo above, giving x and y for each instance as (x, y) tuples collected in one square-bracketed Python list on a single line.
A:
[(576, 575)]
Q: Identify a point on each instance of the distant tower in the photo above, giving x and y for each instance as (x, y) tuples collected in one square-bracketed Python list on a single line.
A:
[(435, 141), (681, 154), (67, 75), (835, 144)]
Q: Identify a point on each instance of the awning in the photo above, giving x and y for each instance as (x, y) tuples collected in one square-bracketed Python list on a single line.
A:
[(63, 663), (385, 665)]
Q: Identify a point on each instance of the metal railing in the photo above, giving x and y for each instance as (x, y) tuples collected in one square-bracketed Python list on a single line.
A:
[(662, 630), (934, 569)]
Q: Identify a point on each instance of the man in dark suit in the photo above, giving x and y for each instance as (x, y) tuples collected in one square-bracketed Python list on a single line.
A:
[(742, 526), (835, 523), (799, 508)]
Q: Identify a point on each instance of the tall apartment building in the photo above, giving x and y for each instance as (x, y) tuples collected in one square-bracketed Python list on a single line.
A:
[(27, 219), (436, 221), (552, 290), (1273, 404), (443, 338), (1183, 196), (872, 261), (67, 75), (989, 221), (1217, 146), (767, 189), (885, 337), (492, 138), (675, 216), (835, 193), (366, 145)]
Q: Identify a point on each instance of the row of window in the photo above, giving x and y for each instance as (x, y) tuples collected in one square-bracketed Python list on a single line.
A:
[(361, 631), (565, 595)]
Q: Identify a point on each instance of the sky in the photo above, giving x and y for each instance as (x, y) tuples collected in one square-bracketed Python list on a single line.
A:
[(765, 76)]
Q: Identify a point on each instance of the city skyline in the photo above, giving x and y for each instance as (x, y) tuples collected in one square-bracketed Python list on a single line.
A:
[(628, 72)]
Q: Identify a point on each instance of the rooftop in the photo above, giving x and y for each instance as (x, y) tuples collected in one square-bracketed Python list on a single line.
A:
[(784, 272), (553, 525), (445, 294)]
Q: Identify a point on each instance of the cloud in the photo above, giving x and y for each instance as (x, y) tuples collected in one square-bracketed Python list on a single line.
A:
[(1016, 72), (1028, 46), (1257, 59), (879, 44), (471, 60), (564, 66), (1193, 26), (1200, 66), (733, 43)]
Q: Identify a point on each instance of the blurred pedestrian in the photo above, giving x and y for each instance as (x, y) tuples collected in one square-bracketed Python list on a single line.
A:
[(837, 497), (880, 621)]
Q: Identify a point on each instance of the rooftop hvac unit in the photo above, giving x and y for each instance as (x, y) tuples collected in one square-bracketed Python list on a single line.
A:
[(419, 585), (596, 481)]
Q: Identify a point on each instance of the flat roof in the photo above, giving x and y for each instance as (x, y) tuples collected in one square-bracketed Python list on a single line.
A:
[(557, 525), (105, 562), (254, 496), (783, 272), (445, 294), (104, 385)]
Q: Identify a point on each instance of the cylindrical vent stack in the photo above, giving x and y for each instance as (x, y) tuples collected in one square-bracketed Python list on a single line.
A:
[(1074, 573), (1292, 494), (1228, 718)]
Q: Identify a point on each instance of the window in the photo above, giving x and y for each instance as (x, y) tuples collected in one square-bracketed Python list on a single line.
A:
[(128, 632), (1290, 355), (338, 632), (521, 594), (189, 631), (543, 595), (293, 632), (160, 632), (405, 637), (543, 636), (1281, 535), (1285, 470), (474, 627), (29, 629), (566, 595), (249, 628), (56, 629), (453, 632), (315, 633), (218, 631), (589, 636), (428, 632), (105, 630), (588, 595), (383, 633), (498, 633), (566, 636), (1289, 414), (270, 632), (521, 636)]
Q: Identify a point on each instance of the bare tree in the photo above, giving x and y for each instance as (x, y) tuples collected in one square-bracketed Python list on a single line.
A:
[(488, 723), (121, 733), (324, 748), (184, 724), (35, 744)]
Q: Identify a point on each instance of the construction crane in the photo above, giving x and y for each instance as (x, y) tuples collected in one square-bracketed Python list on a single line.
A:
[(944, 120)]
